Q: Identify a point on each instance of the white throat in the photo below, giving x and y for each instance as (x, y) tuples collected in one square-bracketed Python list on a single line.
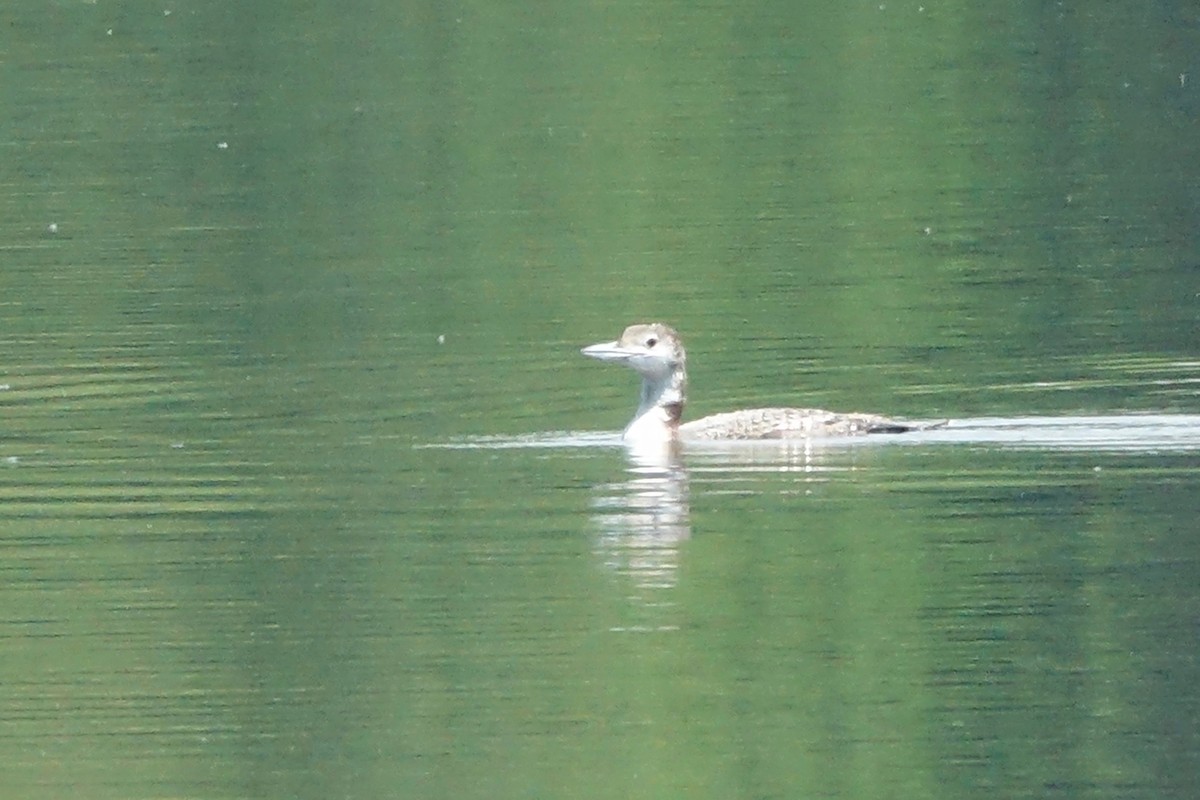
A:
[(661, 406)]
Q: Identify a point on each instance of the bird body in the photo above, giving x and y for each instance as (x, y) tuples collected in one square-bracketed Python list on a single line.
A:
[(655, 351)]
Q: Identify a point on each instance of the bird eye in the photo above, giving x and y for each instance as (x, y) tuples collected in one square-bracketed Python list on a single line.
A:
[(651, 342)]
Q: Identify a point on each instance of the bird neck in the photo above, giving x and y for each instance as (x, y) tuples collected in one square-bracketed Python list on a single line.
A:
[(660, 408)]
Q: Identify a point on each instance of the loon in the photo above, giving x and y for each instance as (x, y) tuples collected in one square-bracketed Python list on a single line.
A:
[(655, 352)]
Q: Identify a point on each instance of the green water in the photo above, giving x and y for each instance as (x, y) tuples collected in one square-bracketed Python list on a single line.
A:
[(254, 257)]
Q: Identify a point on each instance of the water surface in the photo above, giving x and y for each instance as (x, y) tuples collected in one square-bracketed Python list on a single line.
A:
[(261, 266)]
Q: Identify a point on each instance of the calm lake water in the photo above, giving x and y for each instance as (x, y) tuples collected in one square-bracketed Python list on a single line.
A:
[(306, 491)]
